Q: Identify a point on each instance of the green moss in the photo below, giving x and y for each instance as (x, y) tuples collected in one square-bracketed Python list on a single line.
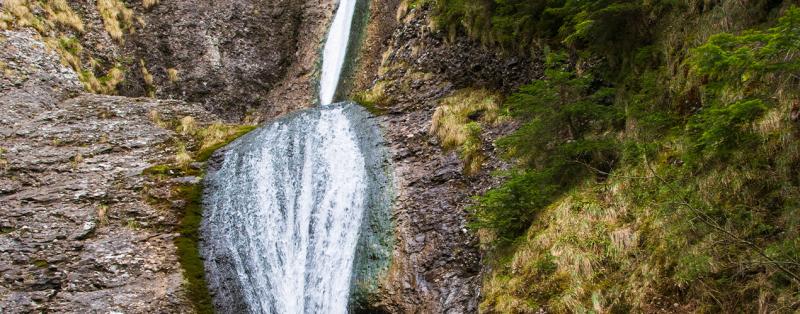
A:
[(188, 248), (40, 263), (187, 243), (171, 171), (375, 99), (204, 154), (371, 107)]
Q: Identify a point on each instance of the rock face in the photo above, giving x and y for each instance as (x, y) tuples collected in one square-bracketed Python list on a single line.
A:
[(76, 233), (436, 264), (241, 58)]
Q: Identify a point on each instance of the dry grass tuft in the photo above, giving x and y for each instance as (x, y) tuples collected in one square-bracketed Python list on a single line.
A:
[(188, 126), (458, 122), (102, 214), (60, 12), (77, 160), (149, 3), (624, 239), (116, 17), (450, 120), (3, 160), (148, 79), (214, 134), (172, 75), (7, 72), (155, 117), (104, 85), (402, 10), (182, 156)]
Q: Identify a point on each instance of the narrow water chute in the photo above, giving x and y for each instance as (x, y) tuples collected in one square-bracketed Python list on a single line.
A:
[(335, 51)]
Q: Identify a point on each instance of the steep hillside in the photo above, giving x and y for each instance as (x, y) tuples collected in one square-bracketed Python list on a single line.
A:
[(655, 166), (406, 68)]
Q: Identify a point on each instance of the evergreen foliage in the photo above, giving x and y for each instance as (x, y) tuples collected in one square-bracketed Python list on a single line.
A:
[(656, 166), (565, 131)]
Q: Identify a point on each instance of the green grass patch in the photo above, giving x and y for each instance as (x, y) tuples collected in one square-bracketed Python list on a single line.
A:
[(205, 153)]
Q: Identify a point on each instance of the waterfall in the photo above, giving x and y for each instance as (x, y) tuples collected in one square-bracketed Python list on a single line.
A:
[(335, 50), (284, 204)]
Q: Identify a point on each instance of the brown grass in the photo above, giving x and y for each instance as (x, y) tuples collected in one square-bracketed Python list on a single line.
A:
[(182, 156), (116, 17), (155, 117), (59, 12), (105, 85), (449, 122), (172, 75), (149, 3), (188, 126), (3, 160), (458, 120), (214, 134), (19, 13), (148, 79), (102, 214), (7, 72)]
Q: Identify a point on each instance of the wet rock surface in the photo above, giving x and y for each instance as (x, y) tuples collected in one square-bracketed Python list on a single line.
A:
[(437, 262), (76, 233)]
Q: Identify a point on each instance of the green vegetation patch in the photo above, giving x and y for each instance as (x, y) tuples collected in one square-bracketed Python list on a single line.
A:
[(459, 120), (188, 248), (655, 168), (218, 140), (40, 263)]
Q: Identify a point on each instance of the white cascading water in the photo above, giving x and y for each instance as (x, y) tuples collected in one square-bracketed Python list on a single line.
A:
[(333, 56), (284, 207)]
